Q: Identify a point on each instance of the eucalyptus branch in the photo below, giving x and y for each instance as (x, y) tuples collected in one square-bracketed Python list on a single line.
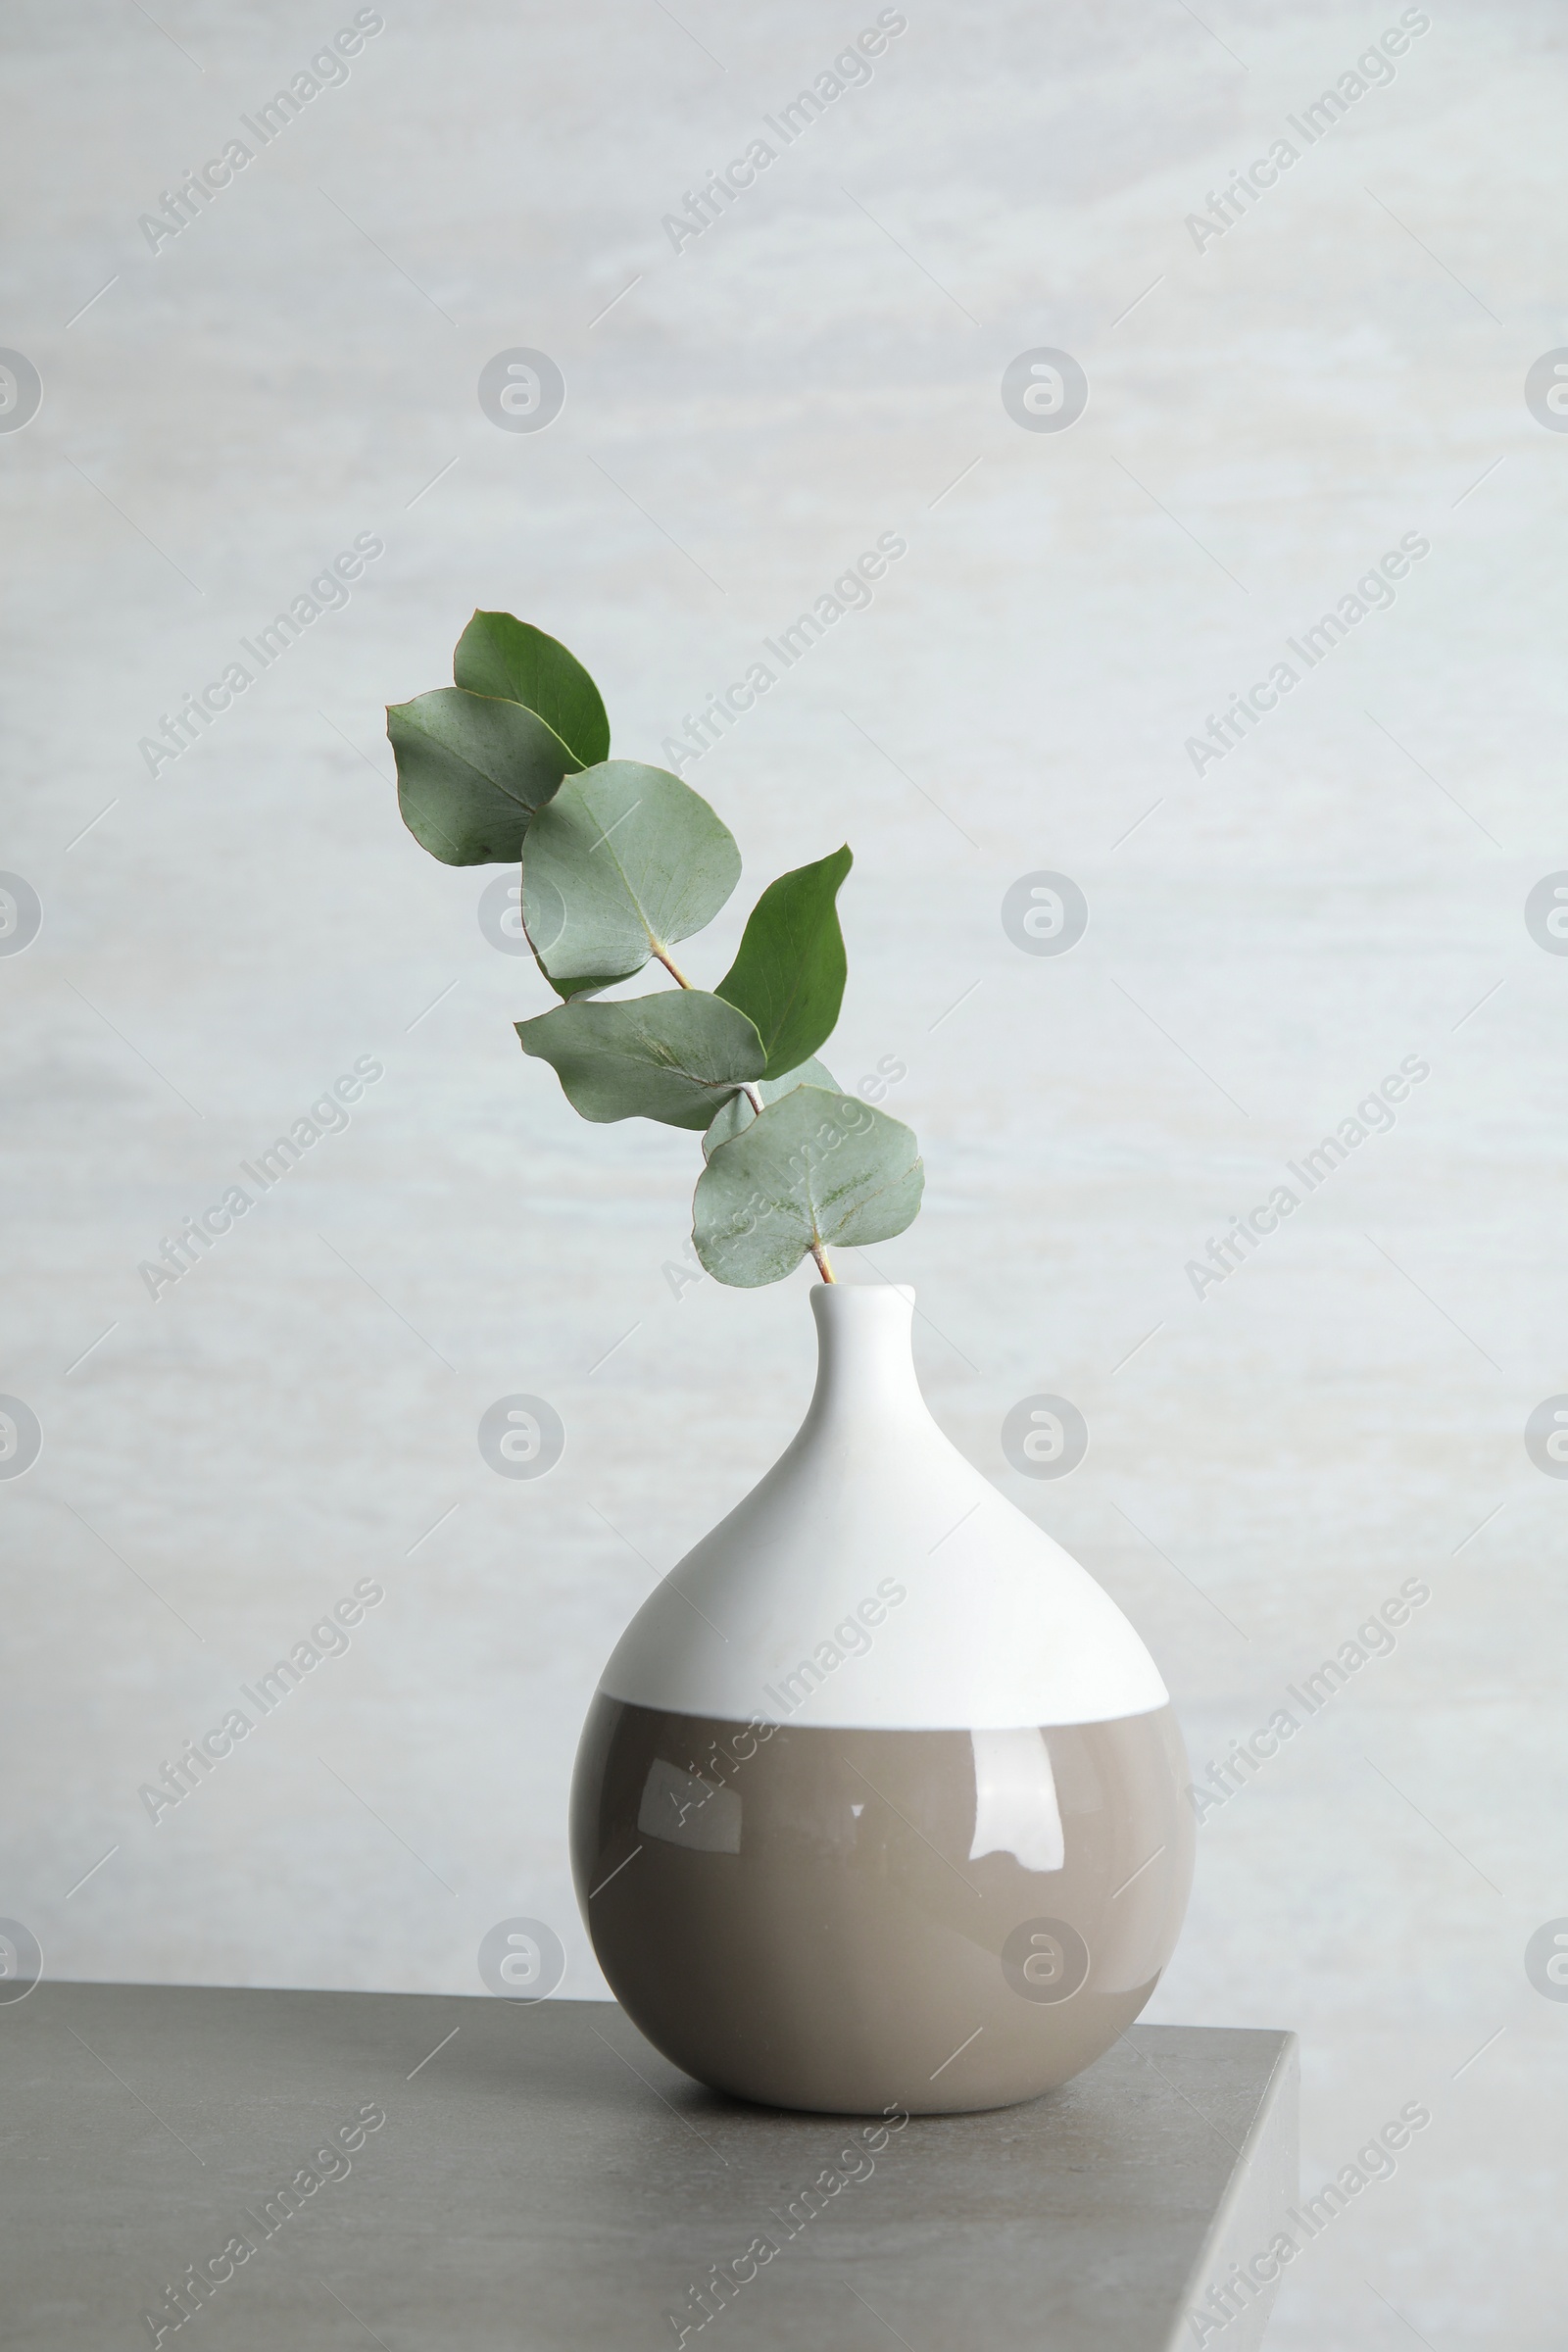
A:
[(511, 766)]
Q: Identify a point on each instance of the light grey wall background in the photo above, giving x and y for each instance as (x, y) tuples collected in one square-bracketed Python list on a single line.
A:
[(1267, 417)]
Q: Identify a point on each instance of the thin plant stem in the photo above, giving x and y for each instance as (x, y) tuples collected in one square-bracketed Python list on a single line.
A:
[(823, 1265)]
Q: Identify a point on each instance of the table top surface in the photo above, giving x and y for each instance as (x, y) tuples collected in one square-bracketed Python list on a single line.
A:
[(540, 2178)]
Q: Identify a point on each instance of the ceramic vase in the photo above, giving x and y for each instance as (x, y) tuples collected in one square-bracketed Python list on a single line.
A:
[(881, 1800)]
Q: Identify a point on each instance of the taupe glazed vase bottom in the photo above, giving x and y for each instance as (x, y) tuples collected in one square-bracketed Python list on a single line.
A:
[(799, 1922)]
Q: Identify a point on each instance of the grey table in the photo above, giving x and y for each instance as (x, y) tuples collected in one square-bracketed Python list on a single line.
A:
[(542, 2179)]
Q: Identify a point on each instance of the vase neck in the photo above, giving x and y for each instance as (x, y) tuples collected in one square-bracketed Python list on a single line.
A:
[(865, 1362)]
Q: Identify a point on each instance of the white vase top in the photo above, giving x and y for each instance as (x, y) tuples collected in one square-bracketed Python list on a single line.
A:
[(874, 1579)]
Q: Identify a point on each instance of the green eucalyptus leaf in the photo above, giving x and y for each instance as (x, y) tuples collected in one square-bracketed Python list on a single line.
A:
[(738, 1113), (817, 1167), (674, 1057), (789, 974), (625, 860), (471, 772), (512, 659)]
